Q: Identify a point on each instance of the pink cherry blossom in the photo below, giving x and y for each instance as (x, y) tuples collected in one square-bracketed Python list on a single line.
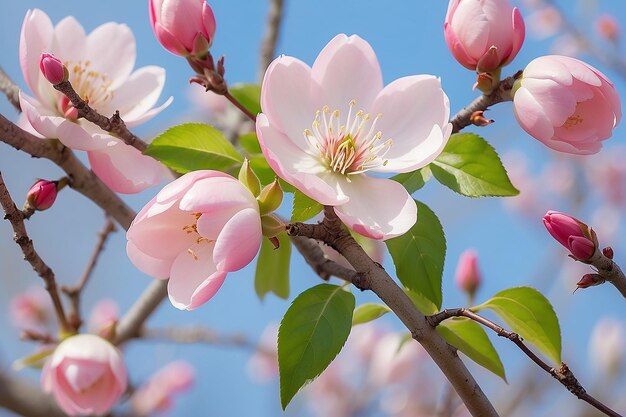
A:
[(183, 27), (158, 393), (483, 35), (86, 374), (31, 309), (100, 69), (197, 229), (566, 104), (323, 128), (468, 275), (104, 315)]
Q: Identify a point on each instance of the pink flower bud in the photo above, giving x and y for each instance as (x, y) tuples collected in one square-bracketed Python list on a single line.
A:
[(183, 27), (158, 393), (483, 35), (467, 273), (53, 69), (575, 235), (31, 309), (104, 317), (566, 104), (42, 194), (86, 374), (608, 28)]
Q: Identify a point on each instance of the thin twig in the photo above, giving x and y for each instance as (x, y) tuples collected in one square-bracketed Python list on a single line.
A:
[(16, 217), (74, 292), (196, 334), (324, 267), (562, 374), (114, 125), (609, 270), (26, 399), (371, 276), (270, 39), (10, 89), (240, 106)]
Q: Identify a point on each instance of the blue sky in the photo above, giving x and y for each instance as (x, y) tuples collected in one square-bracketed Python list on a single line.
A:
[(408, 38)]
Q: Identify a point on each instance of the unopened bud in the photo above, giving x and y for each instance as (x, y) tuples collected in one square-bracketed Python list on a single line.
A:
[(478, 119), (270, 197), (570, 232), (248, 178), (589, 280), (272, 226), (467, 274), (53, 69), (608, 252), (41, 195)]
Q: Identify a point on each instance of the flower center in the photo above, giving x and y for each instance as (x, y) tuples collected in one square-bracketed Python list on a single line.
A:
[(192, 229), (573, 120), (351, 146), (92, 86)]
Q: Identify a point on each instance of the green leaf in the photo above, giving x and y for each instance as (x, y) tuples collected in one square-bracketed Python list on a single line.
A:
[(250, 143), (368, 312), (471, 339), (194, 146), (419, 255), (272, 268), (470, 166), (530, 315), (304, 207), (312, 333), (249, 95), (422, 303), (414, 180)]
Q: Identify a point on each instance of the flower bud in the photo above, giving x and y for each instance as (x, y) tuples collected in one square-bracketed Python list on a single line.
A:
[(53, 69), (566, 104), (41, 195), (86, 374), (608, 252), (183, 27), (575, 235), (467, 274), (483, 35), (270, 197), (590, 280), (478, 119), (248, 178)]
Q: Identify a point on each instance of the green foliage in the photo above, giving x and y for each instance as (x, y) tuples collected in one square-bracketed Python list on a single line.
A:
[(368, 312), (414, 180), (423, 304), (530, 315), (249, 95), (312, 333), (194, 146), (304, 207), (419, 255), (272, 268), (471, 339), (470, 166), (250, 143)]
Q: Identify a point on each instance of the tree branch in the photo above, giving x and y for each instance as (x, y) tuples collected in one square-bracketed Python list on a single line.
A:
[(115, 125), (10, 89), (499, 95), (25, 398), (324, 267), (270, 39), (609, 270), (563, 374), (16, 217), (371, 276)]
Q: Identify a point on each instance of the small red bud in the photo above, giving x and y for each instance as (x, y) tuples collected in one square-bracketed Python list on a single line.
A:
[(589, 280), (52, 69), (42, 194), (608, 252)]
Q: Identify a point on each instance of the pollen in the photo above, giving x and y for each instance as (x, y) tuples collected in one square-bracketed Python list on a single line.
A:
[(573, 120)]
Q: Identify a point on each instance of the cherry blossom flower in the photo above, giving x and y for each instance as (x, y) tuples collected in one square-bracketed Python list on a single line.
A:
[(197, 229), (99, 66), (324, 128), (86, 374), (157, 395)]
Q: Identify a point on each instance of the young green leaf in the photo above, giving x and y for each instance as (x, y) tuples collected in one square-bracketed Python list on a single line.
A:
[(470, 166), (414, 180), (423, 304), (312, 333), (304, 207), (530, 315), (194, 146), (249, 95), (471, 339), (272, 268), (250, 143), (419, 254), (368, 312)]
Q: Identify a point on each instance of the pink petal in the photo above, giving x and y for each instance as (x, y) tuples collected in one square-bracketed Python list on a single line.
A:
[(239, 241), (286, 98), (126, 170), (169, 41), (347, 69), (183, 18), (378, 208), (457, 48), (174, 189), (217, 193), (111, 51), (415, 112), (35, 38), (530, 115), (297, 167), (81, 375), (69, 42), (155, 267), (194, 278), (519, 33)]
